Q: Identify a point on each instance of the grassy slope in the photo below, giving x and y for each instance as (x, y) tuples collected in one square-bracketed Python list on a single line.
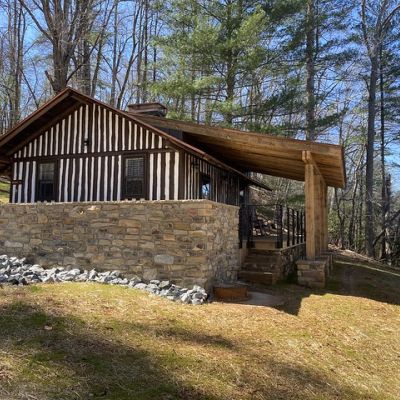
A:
[(80, 341)]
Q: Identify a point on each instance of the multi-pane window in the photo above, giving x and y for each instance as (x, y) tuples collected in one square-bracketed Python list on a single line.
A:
[(46, 182), (134, 185)]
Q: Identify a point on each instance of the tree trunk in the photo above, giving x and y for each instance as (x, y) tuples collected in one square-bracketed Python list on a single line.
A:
[(369, 176), (384, 193), (310, 66)]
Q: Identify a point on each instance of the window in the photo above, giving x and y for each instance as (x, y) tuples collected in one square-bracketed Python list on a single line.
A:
[(46, 182), (205, 187), (134, 185)]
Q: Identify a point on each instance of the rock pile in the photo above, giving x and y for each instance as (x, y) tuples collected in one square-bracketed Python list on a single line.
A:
[(17, 271)]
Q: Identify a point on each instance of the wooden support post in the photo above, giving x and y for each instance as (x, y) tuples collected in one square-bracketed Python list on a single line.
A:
[(324, 225), (309, 189), (315, 199)]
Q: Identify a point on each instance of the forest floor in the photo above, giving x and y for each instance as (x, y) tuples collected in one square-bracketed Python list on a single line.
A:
[(84, 341)]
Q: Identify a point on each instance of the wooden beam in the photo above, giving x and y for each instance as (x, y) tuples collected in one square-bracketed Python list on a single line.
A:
[(316, 211), (325, 154), (309, 189)]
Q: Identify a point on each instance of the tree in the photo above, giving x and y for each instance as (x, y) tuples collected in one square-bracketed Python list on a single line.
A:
[(63, 24), (376, 20)]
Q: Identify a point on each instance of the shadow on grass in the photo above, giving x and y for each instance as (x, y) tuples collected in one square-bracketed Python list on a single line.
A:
[(349, 278), (62, 357)]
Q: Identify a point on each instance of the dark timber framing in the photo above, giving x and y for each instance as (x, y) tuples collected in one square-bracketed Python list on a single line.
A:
[(89, 141)]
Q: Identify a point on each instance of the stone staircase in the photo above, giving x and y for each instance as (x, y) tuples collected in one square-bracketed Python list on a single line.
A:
[(261, 266)]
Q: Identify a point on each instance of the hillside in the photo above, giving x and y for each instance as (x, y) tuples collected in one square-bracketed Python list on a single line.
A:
[(80, 341)]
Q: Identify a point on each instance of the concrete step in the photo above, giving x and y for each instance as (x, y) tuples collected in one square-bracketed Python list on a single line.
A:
[(266, 278)]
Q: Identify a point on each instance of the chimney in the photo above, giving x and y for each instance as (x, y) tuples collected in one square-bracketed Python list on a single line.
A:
[(157, 109)]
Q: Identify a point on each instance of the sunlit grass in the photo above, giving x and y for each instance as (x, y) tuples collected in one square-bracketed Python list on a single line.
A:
[(81, 341)]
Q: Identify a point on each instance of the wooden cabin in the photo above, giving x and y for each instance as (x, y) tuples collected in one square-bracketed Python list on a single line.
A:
[(92, 152), (77, 149)]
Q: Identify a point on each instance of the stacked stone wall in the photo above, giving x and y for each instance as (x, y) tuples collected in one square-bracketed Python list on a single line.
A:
[(188, 242)]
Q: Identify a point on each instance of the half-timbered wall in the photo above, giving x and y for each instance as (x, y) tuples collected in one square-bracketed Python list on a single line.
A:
[(88, 147), (224, 184)]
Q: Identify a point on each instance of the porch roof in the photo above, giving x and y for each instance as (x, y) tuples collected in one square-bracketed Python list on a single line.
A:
[(255, 152)]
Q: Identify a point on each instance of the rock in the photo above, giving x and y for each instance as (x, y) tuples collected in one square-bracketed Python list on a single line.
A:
[(135, 280), (164, 284), (49, 279), (163, 259), (92, 275), (16, 271), (140, 286), (199, 296), (35, 279), (53, 271), (36, 269), (152, 288), (75, 271), (82, 277), (185, 298), (13, 281), (106, 279), (23, 281)]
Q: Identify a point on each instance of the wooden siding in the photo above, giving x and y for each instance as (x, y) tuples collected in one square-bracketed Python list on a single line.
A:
[(89, 146), (225, 186)]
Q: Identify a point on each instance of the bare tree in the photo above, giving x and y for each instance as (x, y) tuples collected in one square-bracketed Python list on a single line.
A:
[(63, 24), (376, 18)]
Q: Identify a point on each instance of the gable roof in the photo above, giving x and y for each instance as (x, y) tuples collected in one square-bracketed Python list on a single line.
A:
[(68, 101), (267, 154)]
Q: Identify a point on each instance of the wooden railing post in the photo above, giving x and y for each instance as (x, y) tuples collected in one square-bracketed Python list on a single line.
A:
[(279, 225)]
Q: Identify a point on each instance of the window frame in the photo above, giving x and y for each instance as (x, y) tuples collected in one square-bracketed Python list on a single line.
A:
[(201, 177), (145, 175), (55, 180)]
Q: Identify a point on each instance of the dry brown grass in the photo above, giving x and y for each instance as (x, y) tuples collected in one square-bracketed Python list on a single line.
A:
[(81, 341)]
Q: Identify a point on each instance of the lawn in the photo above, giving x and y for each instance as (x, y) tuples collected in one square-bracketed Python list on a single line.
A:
[(83, 341)]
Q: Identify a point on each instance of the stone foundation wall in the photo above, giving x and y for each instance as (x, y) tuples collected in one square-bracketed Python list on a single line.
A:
[(314, 273), (287, 258), (188, 242)]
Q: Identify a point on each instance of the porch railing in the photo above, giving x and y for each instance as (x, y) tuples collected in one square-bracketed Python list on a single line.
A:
[(284, 226)]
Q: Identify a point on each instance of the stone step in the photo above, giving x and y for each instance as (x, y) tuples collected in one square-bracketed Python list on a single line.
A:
[(266, 278), (251, 266), (263, 252), (261, 258), (264, 245)]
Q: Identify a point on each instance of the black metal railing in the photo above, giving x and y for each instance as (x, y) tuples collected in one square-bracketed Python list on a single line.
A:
[(279, 224)]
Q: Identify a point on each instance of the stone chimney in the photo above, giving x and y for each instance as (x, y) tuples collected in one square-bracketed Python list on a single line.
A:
[(157, 109)]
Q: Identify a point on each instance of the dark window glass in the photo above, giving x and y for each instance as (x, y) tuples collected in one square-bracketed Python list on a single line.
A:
[(205, 187), (134, 178), (46, 184)]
